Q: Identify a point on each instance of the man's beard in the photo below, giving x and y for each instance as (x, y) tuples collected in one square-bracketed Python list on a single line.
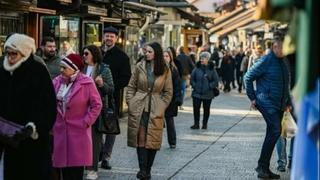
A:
[(49, 55)]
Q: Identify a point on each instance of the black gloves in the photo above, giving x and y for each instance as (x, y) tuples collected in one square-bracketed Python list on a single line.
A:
[(23, 134)]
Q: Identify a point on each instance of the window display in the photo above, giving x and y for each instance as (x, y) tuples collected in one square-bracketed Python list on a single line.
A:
[(62, 29), (92, 33)]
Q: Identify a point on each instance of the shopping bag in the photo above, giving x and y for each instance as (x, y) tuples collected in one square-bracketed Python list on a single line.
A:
[(288, 126)]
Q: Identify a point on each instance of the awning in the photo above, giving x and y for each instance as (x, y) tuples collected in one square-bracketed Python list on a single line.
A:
[(108, 19), (234, 22), (254, 25), (190, 16), (143, 6), (41, 10)]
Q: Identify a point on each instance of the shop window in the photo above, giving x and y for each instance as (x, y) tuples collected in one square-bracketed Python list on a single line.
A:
[(9, 24), (62, 29), (92, 33)]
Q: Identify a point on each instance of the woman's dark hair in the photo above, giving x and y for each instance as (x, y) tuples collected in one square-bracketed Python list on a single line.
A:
[(96, 53), (173, 51), (159, 64)]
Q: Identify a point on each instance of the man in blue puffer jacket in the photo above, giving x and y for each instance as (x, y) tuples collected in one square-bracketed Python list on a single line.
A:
[(271, 98)]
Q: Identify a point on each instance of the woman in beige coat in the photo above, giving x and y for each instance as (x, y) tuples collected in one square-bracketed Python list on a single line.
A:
[(148, 95)]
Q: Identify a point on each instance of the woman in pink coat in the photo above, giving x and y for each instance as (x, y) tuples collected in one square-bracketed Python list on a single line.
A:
[(78, 106)]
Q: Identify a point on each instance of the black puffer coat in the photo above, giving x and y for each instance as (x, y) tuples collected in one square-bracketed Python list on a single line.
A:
[(172, 109)]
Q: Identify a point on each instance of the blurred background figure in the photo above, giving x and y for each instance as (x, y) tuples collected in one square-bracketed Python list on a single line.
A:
[(66, 49)]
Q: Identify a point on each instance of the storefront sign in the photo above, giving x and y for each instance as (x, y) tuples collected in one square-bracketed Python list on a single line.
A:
[(65, 1), (96, 10)]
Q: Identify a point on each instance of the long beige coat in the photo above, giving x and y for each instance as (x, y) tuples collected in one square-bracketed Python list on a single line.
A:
[(138, 99)]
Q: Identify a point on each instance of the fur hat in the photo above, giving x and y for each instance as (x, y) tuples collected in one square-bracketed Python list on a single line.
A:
[(73, 61), (22, 43), (111, 29)]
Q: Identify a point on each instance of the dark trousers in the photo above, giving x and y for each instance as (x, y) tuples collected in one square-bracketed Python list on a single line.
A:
[(226, 84), (108, 146), (196, 110), (72, 173), (239, 80), (118, 98), (96, 148), (273, 121), (171, 131)]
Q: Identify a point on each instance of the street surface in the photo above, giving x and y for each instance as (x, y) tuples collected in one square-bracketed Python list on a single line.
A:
[(228, 149)]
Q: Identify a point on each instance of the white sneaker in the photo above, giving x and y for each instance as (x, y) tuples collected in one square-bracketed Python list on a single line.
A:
[(92, 175)]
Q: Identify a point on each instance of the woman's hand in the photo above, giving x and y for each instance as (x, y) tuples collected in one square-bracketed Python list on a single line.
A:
[(99, 81)]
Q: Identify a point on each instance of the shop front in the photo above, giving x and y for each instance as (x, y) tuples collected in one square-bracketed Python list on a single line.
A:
[(62, 28), (10, 22)]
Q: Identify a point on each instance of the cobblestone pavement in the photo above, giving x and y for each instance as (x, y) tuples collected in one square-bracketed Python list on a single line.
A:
[(228, 149)]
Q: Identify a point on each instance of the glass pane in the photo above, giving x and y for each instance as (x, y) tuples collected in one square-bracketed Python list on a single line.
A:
[(93, 34)]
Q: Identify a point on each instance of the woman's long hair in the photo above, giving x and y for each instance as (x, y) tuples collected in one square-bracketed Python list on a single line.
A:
[(173, 52), (96, 53), (159, 64), (171, 63)]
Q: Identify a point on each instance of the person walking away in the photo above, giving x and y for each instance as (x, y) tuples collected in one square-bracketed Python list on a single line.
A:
[(187, 67), (27, 98), (50, 56), (78, 106), (238, 60), (204, 79), (119, 64), (148, 95), (101, 74), (172, 109), (271, 98), (227, 71)]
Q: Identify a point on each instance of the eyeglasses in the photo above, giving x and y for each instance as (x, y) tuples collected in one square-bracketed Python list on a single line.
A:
[(11, 54)]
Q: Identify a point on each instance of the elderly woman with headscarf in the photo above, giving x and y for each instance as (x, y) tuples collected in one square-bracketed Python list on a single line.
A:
[(27, 98)]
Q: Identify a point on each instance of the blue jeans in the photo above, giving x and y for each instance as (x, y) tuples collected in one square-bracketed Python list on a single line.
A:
[(282, 151), (273, 120), (183, 88), (282, 147)]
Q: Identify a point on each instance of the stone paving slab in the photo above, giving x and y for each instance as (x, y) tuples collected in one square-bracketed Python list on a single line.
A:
[(229, 149)]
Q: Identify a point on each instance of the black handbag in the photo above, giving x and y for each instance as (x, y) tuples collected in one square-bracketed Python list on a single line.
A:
[(109, 121), (216, 91)]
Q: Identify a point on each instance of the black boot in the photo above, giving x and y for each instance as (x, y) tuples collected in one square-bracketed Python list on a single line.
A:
[(151, 156), (204, 124), (142, 158)]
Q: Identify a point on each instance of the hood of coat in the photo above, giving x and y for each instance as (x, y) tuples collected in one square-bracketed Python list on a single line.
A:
[(210, 65)]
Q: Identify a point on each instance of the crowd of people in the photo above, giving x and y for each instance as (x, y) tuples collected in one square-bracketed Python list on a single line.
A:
[(61, 100)]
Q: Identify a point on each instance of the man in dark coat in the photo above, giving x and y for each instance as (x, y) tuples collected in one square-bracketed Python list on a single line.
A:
[(27, 98), (119, 64)]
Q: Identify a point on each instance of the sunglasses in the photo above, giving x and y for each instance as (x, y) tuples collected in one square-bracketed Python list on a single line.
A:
[(86, 53), (11, 54)]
